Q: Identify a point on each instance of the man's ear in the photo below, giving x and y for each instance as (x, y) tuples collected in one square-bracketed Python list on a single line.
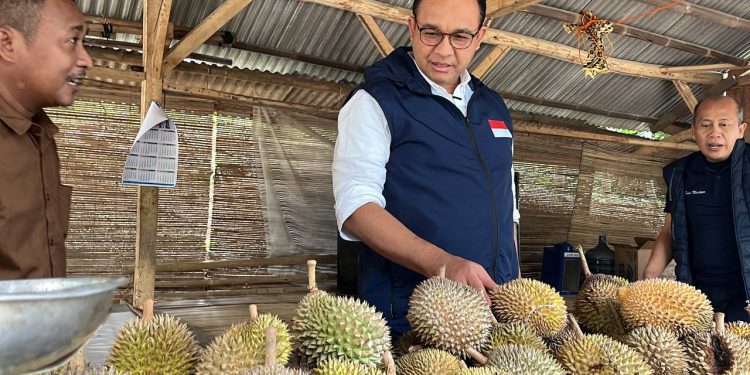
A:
[(8, 44)]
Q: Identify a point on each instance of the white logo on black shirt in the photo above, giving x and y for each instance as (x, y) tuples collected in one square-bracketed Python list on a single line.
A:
[(695, 192)]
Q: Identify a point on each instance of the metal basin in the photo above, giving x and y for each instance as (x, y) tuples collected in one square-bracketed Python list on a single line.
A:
[(45, 320)]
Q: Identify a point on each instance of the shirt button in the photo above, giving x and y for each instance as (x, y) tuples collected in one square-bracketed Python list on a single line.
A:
[(47, 196), (51, 242)]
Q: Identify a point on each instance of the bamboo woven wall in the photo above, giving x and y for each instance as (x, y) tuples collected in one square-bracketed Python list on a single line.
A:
[(570, 191)]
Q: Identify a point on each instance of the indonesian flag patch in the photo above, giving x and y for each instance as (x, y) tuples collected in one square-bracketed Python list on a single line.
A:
[(499, 129)]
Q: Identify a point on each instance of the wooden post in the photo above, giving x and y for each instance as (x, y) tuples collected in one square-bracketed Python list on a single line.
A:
[(497, 54), (155, 25), (376, 34)]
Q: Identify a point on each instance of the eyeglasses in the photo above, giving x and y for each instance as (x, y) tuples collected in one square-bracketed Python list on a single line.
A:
[(432, 37)]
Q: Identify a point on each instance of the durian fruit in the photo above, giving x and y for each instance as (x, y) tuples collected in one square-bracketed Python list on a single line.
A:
[(522, 359), (341, 367), (407, 343), (660, 347), (429, 362), (717, 352), (600, 355), (488, 370), (243, 346), (671, 304), (327, 326), (739, 329), (593, 298), (532, 302), (449, 316), (514, 333), (567, 334), (159, 344), (273, 370)]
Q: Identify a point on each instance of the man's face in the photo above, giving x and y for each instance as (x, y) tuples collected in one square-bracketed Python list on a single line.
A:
[(50, 65), (443, 63), (716, 128)]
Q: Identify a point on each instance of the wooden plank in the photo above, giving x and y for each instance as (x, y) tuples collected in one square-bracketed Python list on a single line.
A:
[(202, 32), (524, 43), (704, 13), (255, 262), (687, 94), (539, 129), (382, 43), (497, 54), (701, 68), (155, 22), (633, 32), (238, 281), (499, 8)]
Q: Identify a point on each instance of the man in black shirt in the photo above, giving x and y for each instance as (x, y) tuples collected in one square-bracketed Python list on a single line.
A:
[(706, 213)]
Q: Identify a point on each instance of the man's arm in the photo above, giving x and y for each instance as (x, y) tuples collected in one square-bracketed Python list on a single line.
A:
[(390, 238), (662, 252)]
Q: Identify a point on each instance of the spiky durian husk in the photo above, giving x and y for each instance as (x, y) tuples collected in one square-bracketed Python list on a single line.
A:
[(243, 346), (660, 347), (163, 345), (710, 353), (429, 362), (514, 333), (555, 342), (599, 354), (532, 302), (489, 370), (327, 326), (739, 329), (449, 316), (592, 303), (671, 304), (522, 359), (407, 343), (272, 370), (341, 367)]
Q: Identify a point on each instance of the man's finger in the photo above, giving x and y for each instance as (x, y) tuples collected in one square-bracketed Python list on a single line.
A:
[(474, 281)]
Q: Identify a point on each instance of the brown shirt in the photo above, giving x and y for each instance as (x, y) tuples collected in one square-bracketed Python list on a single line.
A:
[(34, 205)]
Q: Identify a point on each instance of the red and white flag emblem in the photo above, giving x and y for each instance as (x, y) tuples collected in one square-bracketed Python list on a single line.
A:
[(499, 129)]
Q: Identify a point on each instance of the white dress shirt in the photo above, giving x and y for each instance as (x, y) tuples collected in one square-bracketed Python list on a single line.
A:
[(363, 148)]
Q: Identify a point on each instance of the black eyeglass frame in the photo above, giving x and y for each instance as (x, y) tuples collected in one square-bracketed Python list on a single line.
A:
[(450, 35)]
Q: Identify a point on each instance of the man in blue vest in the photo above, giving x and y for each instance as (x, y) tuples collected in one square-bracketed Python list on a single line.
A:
[(707, 226), (422, 171)]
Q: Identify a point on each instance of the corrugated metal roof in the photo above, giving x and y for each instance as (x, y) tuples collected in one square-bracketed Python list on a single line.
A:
[(336, 35)]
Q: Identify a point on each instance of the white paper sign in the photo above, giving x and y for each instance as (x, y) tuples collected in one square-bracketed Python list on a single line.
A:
[(152, 160)]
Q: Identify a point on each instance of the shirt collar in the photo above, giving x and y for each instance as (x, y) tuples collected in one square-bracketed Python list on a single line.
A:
[(460, 90), (20, 124)]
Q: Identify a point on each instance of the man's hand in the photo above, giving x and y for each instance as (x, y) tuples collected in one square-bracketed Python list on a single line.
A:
[(467, 272)]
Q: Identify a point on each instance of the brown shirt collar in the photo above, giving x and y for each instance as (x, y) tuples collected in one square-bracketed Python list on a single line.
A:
[(21, 124)]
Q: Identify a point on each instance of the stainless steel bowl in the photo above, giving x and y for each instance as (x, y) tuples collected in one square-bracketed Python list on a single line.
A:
[(45, 320)]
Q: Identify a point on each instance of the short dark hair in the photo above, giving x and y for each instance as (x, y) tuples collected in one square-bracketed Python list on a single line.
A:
[(482, 9), (740, 110), (22, 15)]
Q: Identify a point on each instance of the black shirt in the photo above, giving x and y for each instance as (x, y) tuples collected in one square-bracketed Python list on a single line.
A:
[(712, 245)]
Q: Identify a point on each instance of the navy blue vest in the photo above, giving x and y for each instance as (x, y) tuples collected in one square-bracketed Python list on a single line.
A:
[(674, 176), (448, 180)]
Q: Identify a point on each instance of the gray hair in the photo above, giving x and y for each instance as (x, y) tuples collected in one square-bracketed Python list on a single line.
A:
[(740, 110), (22, 15)]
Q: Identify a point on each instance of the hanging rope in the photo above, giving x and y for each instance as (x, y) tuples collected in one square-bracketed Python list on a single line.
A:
[(592, 30)]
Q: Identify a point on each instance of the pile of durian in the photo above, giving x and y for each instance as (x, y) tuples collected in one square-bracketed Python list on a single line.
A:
[(659, 327)]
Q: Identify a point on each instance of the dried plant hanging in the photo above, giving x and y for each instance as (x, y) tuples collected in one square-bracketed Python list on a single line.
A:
[(592, 30)]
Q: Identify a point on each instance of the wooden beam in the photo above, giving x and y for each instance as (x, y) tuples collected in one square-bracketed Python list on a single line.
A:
[(524, 43), (499, 8), (382, 43), (682, 111), (700, 68), (202, 32), (531, 128), (497, 54), (238, 263), (687, 94), (155, 25), (704, 13), (633, 32), (578, 107)]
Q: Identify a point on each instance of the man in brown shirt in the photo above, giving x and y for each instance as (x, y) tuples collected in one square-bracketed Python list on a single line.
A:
[(42, 60)]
